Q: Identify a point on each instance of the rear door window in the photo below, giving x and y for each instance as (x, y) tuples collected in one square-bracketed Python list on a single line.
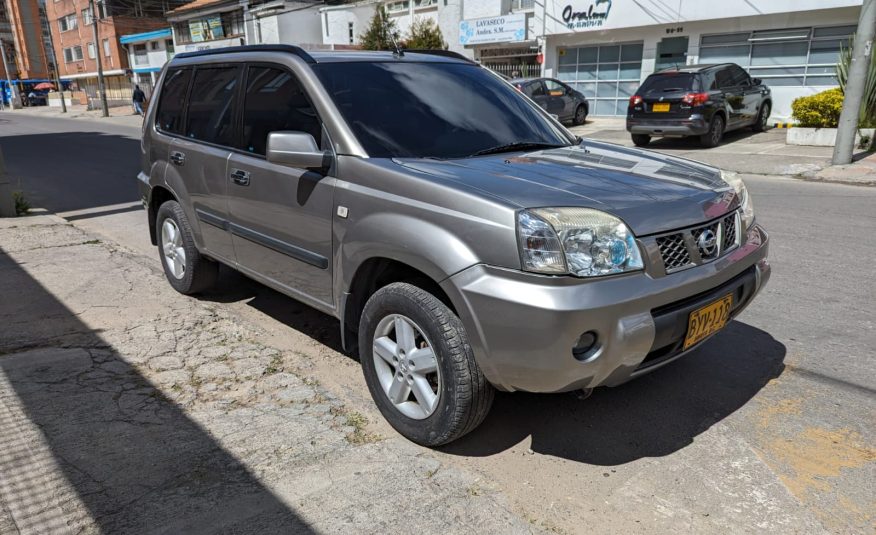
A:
[(668, 83), (211, 105), (535, 89), (169, 117), (724, 78), (740, 77), (275, 101)]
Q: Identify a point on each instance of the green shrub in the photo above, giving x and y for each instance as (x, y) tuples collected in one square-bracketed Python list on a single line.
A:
[(821, 110), (22, 206)]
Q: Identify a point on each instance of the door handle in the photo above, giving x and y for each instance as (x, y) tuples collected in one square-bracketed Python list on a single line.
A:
[(240, 177), (178, 158)]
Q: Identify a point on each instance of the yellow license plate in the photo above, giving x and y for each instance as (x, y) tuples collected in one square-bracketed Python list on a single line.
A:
[(664, 106), (706, 321)]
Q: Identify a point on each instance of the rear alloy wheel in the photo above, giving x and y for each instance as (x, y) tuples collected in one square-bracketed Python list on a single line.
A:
[(580, 115), (641, 140), (712, 138), (762, 118), (419, 366), (186, 270)]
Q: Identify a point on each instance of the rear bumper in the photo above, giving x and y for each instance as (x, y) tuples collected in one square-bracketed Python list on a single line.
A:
[(523, 327), (694, 125)]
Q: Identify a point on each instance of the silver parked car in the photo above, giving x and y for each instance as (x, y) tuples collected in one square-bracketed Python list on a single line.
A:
[(465, 240)]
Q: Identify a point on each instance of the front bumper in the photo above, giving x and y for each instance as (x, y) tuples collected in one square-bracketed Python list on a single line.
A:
[(523, 326), (694, 125)]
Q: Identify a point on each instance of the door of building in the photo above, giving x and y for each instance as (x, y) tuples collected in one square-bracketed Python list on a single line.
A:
[(671, 52)]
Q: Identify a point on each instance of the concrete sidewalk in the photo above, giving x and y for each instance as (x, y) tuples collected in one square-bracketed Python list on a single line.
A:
[(122, 115), (744, 151), (127, 408)]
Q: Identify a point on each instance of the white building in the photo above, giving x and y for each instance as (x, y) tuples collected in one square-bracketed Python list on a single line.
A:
[(606, 48), (147, 54)]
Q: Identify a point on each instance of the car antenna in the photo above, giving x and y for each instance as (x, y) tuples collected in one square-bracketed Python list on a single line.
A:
[(398, 51)]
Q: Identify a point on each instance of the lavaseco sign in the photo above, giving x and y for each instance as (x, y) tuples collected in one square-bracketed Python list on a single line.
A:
[(578, 17)]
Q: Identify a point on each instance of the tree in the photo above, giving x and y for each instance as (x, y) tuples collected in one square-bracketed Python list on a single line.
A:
[(381, 31), (425, 35), (868, 106)]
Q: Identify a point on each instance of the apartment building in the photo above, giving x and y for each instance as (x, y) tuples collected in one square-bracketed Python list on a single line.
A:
[(77, 50), (21, 31), (147, 54)]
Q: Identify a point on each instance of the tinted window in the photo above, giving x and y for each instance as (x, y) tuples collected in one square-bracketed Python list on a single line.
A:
[(724, 78), (740, 77), (275, 101), (668, 83), (211, 105), (441, 110), (535, 89), (173, 95)]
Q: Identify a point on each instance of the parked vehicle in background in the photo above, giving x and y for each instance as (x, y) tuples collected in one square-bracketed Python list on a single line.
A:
[(465, 241), (557, 98), (698, 100)]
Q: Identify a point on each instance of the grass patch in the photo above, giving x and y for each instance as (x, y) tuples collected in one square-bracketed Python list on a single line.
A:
[(359, 435), (275, 366)]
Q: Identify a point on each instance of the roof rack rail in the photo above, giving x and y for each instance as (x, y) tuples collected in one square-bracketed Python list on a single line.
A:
[(291, 49), (438, 52)]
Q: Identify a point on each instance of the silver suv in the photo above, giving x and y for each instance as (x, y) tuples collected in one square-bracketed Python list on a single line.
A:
[(465, 240)]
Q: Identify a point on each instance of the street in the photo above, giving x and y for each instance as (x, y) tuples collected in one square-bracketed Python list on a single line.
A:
[(767, 427)]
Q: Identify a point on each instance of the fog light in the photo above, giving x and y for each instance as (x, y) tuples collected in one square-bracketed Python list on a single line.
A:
[(585, 346)]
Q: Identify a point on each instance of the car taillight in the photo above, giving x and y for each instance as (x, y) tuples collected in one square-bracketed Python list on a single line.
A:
[(695, 99), (635, 100)]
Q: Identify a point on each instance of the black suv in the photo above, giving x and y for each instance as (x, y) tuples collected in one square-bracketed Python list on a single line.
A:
[(698, 100)]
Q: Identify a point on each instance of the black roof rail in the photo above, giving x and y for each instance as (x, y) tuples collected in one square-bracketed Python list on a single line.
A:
[(289, 49), (438, 52)]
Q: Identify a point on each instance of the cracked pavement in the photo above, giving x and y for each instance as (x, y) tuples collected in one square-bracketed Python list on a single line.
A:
[(127, 408)]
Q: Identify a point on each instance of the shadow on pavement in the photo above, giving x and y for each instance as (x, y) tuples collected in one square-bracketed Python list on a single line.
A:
[(131, 456), (653, 416), (70, 171)]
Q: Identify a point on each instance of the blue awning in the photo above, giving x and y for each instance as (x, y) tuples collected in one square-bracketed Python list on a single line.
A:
[(146, 36), (147, 69)]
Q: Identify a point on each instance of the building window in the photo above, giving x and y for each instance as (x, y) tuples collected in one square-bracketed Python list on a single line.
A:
[(73, 53), (153, 45), (607, 75), (106, 48), (403, 5), (522, 5), (91, 51), (68, 22), (786, 57), (219, 26), (350, 32), (86, 16), (168, 47), (141, 56)]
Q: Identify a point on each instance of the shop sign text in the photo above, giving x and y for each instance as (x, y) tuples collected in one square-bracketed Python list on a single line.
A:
[(504, 29), (593, 17)]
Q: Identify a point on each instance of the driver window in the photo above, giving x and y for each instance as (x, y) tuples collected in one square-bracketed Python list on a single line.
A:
[(275, 101)]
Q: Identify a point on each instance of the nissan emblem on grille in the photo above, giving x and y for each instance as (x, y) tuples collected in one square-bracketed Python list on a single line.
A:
[(708, 243)]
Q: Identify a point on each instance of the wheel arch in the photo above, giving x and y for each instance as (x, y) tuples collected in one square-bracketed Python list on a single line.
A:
[(157, 196)]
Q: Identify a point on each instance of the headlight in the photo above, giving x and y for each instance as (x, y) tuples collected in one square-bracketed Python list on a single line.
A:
[(744, 198), (580, 241)]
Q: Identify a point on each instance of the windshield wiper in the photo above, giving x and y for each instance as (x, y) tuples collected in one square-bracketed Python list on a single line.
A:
[(520, 145)]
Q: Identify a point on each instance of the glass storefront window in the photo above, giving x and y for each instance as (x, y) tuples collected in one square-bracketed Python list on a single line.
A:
[(618, 69)]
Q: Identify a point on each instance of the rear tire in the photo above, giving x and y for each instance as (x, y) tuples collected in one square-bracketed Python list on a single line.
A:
[(580, 115), (712, 138), (760, 124), (186, 270), (641, 140), (463, 394)]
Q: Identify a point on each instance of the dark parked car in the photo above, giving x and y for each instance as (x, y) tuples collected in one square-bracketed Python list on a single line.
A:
[(698, 100), (556, 98), (37, 98)]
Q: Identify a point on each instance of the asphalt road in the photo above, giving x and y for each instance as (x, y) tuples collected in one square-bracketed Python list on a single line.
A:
[(768, 427)]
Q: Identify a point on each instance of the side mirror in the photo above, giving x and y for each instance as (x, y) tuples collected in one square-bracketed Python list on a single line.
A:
[(756, 81), (296, 149)]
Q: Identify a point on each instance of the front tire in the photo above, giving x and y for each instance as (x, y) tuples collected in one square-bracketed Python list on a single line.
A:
[(712, 138), (760, 125), (186, 270), (419, 366), (641, 140), (580, 115)]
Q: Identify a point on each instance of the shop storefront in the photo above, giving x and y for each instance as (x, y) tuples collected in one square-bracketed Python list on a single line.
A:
[(605, 48), (503, 43)]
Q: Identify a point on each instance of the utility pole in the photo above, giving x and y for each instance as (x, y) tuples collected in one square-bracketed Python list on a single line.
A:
[(8, 76), (57, 70), (98, 53), (862, 49)]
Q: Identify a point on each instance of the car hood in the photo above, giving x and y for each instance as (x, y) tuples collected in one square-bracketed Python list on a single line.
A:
[(651, 192)]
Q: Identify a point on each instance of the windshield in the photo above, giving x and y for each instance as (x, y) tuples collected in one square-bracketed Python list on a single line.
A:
[(668, 83), (437, 110)]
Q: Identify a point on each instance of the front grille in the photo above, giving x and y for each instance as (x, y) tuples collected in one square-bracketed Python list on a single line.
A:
[(698, 245), (674, 251)]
